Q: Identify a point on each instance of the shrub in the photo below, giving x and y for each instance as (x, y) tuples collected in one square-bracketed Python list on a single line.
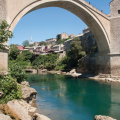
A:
[(17, 72), (61, 64), (44, 59), (60, 67), (10, 89), (49, 66), (35, 67)]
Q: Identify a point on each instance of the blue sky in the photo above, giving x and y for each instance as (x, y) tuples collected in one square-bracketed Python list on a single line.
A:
[(46, 23)]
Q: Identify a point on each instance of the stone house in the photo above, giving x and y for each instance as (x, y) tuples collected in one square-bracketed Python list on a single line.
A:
[(36, 44), (29, 48), (62, 36), (71, 35), (58, 48), (51, 41)]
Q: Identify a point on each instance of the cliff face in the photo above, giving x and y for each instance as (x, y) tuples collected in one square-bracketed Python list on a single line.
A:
[(88, 63), (89, 43)]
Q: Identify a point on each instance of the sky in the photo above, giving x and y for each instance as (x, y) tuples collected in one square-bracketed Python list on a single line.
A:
[(47, 22)]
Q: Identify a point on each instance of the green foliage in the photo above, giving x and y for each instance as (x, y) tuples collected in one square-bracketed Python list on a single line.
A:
[(31, 45), (14, 52), (50, 66), (45, 59), (61, 64), (25, 43), (76, 49), (35, 67), (60, 67), (42, 43), (10, 89), (62, 41), (17, 72), (27, 55), (5, 34)]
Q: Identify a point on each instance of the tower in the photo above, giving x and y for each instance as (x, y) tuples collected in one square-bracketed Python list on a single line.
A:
[(31, 40)]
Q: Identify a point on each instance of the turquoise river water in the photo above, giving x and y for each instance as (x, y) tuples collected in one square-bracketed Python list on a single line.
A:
[(65, 98)]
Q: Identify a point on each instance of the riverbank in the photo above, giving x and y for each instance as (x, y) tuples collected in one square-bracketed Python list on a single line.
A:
[(100, 77), (22, 109)]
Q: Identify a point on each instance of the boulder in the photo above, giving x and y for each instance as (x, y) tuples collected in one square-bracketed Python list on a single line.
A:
[(19, 109), (29, 94), (1, 94), (40, 117), (4, 117), (100, 117), (73, 71), (41, 67), (25, 83)]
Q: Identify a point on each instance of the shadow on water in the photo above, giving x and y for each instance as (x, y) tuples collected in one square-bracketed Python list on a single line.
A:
[(66, 98)]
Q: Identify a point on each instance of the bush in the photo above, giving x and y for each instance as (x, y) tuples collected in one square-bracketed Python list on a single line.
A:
[(50, 66), (10, 89), (62, 63), (45, 59), (17, 72), (35, 67), (60, 67)]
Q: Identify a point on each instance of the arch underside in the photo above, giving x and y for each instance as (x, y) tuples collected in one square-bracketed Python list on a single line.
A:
[(79, 10)]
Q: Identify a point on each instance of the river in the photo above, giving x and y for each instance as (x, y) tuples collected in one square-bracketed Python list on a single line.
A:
[(65, 98)]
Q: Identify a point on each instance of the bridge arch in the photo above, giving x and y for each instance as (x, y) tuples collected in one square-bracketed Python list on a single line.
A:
[(83, 11)]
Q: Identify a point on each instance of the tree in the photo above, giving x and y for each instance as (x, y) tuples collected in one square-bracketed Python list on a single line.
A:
[(14, 52), (25, 43), (76, 49), (31, 45), (27, 55), (76, 52), (42, 43), (5, 34)]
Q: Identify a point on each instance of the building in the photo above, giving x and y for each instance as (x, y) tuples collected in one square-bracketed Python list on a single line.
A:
[(58, 48), (67, 44), (51, 41), (71, 35), (87, 40), (31, 41), (62, 36), (86, 30), (36, 44), (29, 48), (20, 47)]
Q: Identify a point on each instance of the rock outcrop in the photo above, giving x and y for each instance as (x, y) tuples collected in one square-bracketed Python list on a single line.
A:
[(34, 71), (19, 109), (40, 117), (25, 83), (100, 117), (4, 117), (29, 94), (73, 71)]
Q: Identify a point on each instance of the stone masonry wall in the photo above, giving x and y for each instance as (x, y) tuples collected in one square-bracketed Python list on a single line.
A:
[(3, 11), (115, 26)]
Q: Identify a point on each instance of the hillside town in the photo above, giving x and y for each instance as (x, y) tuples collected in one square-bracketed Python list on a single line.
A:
[(53, 46)]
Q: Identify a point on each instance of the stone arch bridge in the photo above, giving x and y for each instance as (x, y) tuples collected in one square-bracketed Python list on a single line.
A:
[(102, 26)]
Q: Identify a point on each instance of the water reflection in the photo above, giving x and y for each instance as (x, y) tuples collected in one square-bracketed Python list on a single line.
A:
[(65, 98)]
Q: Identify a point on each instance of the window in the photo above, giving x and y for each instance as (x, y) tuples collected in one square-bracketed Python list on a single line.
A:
[(118, 11)]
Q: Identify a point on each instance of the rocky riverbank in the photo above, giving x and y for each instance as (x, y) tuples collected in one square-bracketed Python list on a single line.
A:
[(73, 73), (23, 109)]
